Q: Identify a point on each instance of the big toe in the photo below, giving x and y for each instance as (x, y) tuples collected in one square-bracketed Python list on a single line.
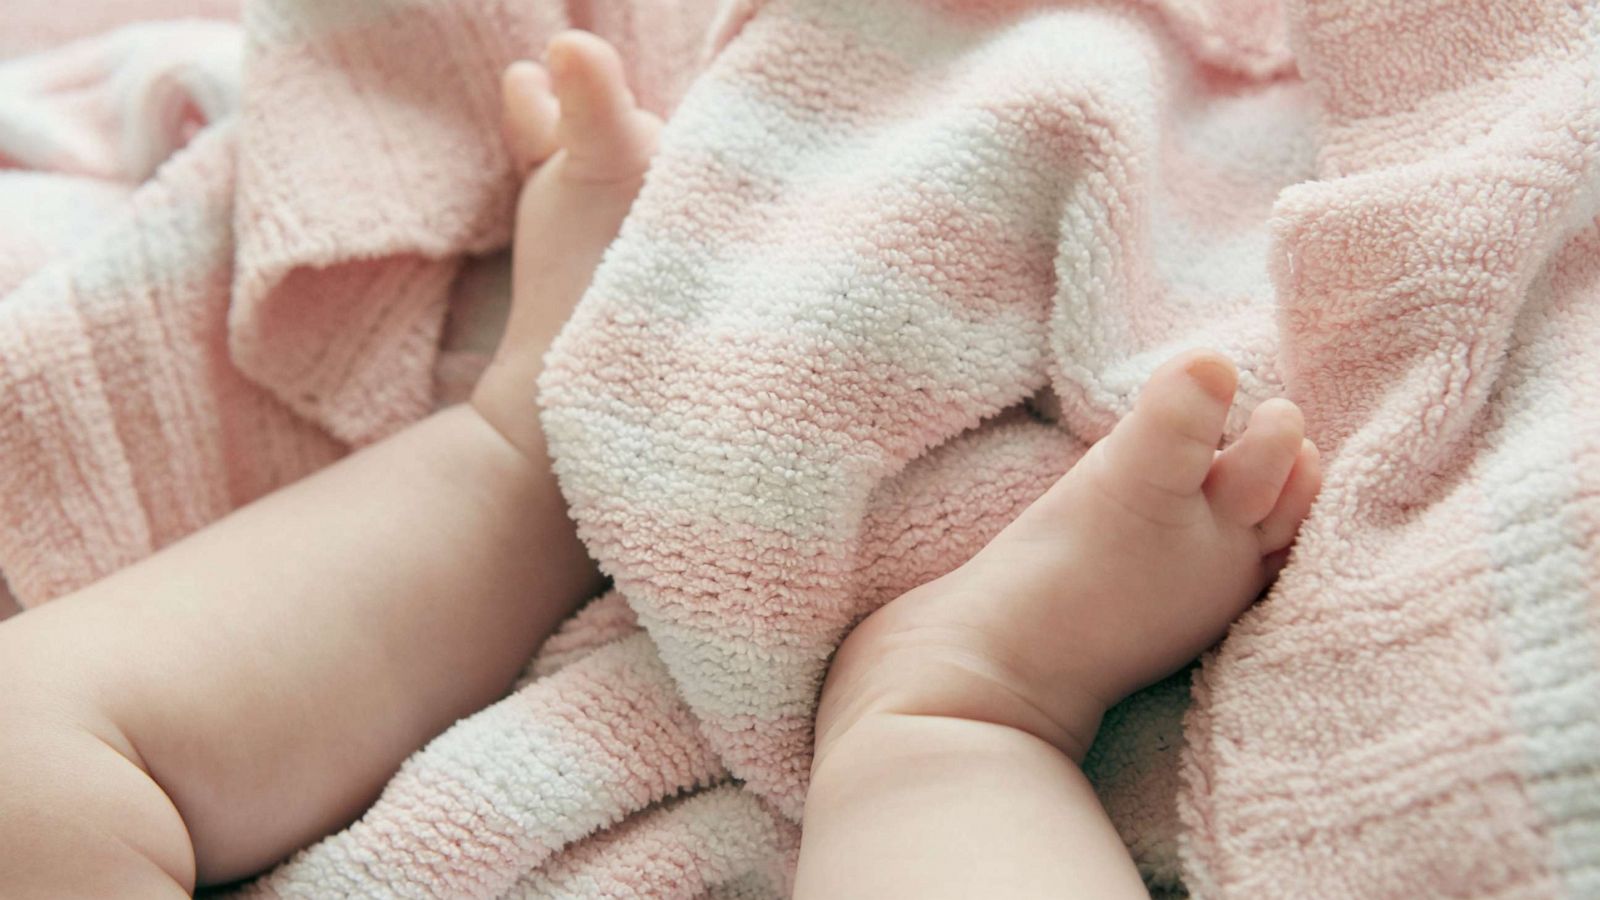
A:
[(1163, 449), (606, 135)]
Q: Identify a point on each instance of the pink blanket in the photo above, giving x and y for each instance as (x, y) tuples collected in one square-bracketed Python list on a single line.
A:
[(801, 384)]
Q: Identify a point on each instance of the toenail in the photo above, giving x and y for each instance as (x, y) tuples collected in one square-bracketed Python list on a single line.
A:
[(1213, 374)]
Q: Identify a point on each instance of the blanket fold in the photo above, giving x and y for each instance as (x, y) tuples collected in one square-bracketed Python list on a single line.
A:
[(1421, 287), (862, 285)]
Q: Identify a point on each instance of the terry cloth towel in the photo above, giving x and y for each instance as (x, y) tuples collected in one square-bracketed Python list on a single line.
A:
[(873, 232), (876, 227)]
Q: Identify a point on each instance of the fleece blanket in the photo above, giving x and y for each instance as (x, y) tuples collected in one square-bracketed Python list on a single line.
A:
[(897, 265)]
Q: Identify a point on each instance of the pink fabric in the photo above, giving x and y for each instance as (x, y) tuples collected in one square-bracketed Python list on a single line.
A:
[(31, 26), (177, 341), (302, 291), (874, 228), (874, 232)]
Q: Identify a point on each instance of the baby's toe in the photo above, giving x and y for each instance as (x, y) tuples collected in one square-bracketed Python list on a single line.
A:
[(529, 115), (1278, 529), (1247, 478), (1162, 450), (606, 135)]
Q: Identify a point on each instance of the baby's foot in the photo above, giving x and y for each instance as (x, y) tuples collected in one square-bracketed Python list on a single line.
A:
[(1131, 565), (582, 147)]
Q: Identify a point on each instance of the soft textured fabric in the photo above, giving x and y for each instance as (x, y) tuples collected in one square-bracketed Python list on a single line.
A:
[(876, 226), (800, 384)]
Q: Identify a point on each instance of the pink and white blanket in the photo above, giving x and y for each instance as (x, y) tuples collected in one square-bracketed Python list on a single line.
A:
[(803, 381)]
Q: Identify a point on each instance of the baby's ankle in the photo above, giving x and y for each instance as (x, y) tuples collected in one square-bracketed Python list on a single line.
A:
[(483, 466), (504, 399), (882, 746), (910, 659)]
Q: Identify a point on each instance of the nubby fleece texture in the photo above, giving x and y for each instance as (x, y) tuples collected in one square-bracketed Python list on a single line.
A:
[(897, 265)]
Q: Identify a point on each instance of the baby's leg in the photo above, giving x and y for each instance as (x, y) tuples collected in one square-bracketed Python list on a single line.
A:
[(954, 719), (253, 686), (200, 715)]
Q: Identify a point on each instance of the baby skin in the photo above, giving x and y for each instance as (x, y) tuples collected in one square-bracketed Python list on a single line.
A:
[(198, 716), (202, 714), (954, 718)]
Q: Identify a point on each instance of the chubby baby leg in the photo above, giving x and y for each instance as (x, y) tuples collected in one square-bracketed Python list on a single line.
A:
[(200, 715), (954, 718)]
